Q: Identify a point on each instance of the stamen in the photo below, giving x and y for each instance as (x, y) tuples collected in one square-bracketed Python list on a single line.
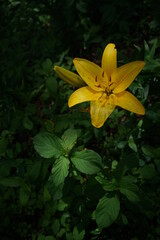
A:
[(99, 86), (103, 74), (96, 78)]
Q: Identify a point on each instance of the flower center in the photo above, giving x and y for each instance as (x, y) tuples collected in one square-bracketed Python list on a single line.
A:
[(108, 91)]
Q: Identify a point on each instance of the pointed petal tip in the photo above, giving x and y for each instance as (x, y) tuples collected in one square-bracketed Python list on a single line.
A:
[(111, 45), (128, 101), (126, 74), (97, 125), (109, 59), (55, 68), (76, 59), (141, 63), (143, 111), (69, 104)]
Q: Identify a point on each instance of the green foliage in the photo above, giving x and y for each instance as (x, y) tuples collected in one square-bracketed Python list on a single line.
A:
[(60, 178), (107, 211), (60, 170), (87, 161), (48, 145)]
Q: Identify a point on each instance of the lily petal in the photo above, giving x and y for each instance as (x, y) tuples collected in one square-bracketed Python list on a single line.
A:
[(92, 74), (125, 75), (69, 77), (127, 101), (109, 59), (100, 110), (83, 94)]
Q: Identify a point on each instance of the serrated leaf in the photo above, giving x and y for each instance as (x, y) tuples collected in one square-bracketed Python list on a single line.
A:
[(48, 145), (87, 161), (69, 139), (107, 211), (60, 170)]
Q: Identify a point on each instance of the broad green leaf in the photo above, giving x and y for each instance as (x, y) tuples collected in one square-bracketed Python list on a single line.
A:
[(148, 150), (132, 144), (87, 161), (69, 139), (11, 181), (107, 211), (148, 171), (129, 189), (48, 145), (60, 170)]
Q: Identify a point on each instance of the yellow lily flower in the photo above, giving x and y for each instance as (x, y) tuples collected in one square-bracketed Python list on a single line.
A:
[(106, 86)]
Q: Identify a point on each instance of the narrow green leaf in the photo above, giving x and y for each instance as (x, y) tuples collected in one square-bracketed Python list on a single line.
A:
[(107, 211), (87, 161), (11, 181), (60, 170), (69, 139), (48, 145), (132, 144), (78, 232), (24, 194), (153, 49)]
